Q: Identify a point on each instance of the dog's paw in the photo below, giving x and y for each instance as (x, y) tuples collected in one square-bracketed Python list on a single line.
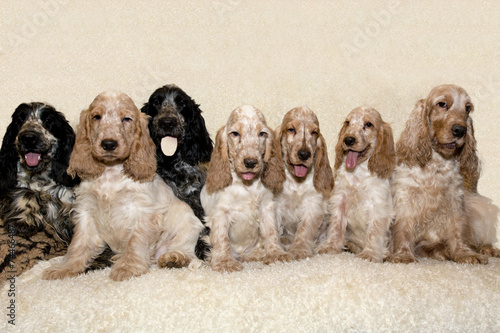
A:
[(299, 253), (402, 258), (173, 260), (57, 273), (471, 258), (490, 251), (125, 272), (327, 249), (227, 266), (272, 258), (369, 256)]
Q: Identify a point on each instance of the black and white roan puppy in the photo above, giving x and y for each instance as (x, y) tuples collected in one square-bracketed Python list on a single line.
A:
[(36, 193), (183, 147)]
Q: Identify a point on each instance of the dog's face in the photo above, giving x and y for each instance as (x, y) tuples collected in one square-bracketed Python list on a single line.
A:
[(112, 122), (358, 137), (248, 138), (448, 112), (299, 140), (38, 136)]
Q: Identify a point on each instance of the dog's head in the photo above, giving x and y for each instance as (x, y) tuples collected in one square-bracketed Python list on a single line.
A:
[(442, 123), (113, 131), (177, 126), (39, 139), (304, 149), (245, 146), (366, 137)]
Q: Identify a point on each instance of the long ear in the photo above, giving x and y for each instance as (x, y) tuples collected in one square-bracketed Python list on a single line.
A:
[(323, 176), (414, 146), (383, 159), (66, 137), (273, 175), (469, 162), (9, 158), (81, 162), (339, 152), (197, 146), (141, 164), (219, 171)]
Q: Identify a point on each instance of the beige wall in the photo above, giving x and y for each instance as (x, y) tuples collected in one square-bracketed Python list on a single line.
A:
[(330, 55)]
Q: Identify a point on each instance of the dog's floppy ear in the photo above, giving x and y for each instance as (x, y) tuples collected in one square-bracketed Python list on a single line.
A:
[(469, 162), (141, 164), (197, 146), (273, 174), (66, 137), (219, 171), (81, 162), (323, 176), (383, 160), (339, 152), (414, 146), (9, 156)]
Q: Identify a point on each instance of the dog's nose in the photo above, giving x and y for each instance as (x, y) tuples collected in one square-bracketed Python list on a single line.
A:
[(29, 139), (349, 141), (168, 122), (250, 163), (304, 154), (458, 131), (109, 144)]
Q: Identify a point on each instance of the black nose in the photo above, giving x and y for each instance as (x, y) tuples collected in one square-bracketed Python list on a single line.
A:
[(458, 131), (168, 122), (349, 141), (29, 139), (304, 154), (250, 162), (109, 144)]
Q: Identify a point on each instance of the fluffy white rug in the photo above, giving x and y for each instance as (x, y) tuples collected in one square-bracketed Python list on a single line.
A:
[(325, 293)]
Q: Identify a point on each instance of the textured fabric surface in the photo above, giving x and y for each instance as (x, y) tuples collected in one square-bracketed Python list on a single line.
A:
[(332, 56)]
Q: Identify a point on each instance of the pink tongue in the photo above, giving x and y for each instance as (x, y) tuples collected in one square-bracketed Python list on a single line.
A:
[(32, 159), (352, 159), (300, 170), (247, 175)]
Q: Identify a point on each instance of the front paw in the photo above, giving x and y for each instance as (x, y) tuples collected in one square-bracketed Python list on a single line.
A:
[(300, 253), (57, 273), (327, 249), (122, 273), (402, 258), (471, 258), (173, 260), (272, 258), (369, 256), (227, 266)]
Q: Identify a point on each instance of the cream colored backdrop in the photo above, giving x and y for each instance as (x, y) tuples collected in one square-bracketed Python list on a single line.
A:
[(330, 55)]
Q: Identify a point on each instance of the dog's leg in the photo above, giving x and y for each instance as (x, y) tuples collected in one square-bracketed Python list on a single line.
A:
[(307, 232), (221, 259), (335, 234), (135, 260), (376, 241), (458, 250), (84, 247), (270, 235)]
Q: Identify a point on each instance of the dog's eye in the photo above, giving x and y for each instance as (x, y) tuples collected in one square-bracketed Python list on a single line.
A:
[(468, 108), (291, 130), (235, 134), (96, 117), (126, 119), (262, 134), (314, 132), (347, 123), (368, 124), (442, 105)]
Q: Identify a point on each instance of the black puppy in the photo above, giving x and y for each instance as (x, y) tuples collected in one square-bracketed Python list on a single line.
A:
[(183, 147)]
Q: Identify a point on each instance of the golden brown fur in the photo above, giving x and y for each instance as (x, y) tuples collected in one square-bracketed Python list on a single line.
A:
[(439, 213)]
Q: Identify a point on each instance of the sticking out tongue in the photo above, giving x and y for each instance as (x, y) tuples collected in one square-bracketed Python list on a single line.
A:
[(168, 145), (352, 159), (247, 175), (300, 170), (32, 159)]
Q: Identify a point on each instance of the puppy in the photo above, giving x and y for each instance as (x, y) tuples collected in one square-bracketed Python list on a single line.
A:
[(238, 197), (121, 202), (439, 213), (303, 204), (362, 209)]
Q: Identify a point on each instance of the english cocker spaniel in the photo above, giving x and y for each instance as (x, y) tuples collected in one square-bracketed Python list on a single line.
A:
[(439, 213), (302, 206), (362, 210), (244, 174), (36, 193), (121, 201), (183, 147)]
